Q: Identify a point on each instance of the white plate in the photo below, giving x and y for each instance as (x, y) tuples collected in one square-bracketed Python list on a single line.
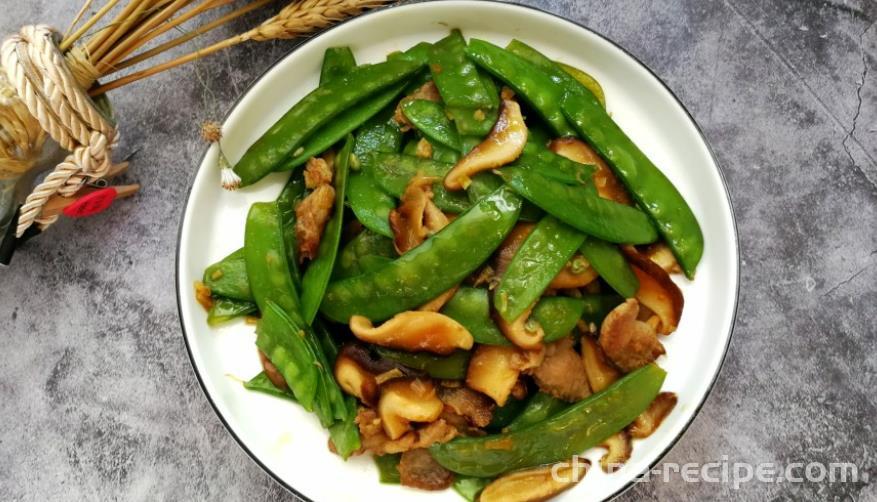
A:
[(288, 442)]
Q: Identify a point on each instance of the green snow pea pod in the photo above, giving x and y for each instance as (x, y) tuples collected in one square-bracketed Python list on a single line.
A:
[(442, 153), (612, 266), (581, 426), (261, 383), (341, 126), (470, 487), (485, 183), (540, 407), (507, 413), (393, 172), (581, 207), (649, 186), (429, 118), (431, 268), (479, 121), (228, 277), (318, 273), (345, 432), (317, 108), (539, 259), (379, 134), (388, 468), (569, 78), (226, 309), (266, 261), (452, 367), (558, 316), (456, 76), (418, 53), (471, 308), (597, 307), (527, 80), (551, 165), (289, 197), (337, 62), (363, 253), (584, 78), (279, 339), (370, 204)]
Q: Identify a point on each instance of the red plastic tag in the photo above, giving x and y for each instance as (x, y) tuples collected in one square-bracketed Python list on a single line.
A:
[(91, 204)]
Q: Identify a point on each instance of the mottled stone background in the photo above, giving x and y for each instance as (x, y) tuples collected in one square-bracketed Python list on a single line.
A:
[(98, 400)]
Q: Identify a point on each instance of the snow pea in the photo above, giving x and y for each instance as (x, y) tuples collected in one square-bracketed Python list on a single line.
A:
[(586, 80), (527, 80), (540, 258), (337, 62), (418, 53), (228, 277), (582, 208), (289, 197), (581, 426), (226, 309), (388, 468), (479, 121), (471, 308), (261, 383), (345, 432), (507, 413), (597, 307), (341, 126), (279, 339), (551, 165), (485, 183), (378, 134), (431, 268), (316, 277), (393, 172), (317, 108), (266, 260), (364, 252), (540, 407), (456, 76), (651, 189), (612, 266), (370, 204), (558, 316), (452, 367), (443, 153), (430, 119), (568, 80), (470, 487)]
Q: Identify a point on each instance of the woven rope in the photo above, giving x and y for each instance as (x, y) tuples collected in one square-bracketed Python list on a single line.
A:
[(38, 72)]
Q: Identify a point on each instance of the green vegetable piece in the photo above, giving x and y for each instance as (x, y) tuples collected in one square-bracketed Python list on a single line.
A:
[(505, 414), (540, 407), (289, 197), (429, 118), (370, 204), (228, 277), (452, 367), (597, 307), (226, 309), (393, 172), (379, 134), (388, 468), (442, 153), (612, 266), (364, 252), (553, 166), (341, 126), (479, 121), (317, 108), (266, 261), (540, 258), (581, 426), (455, 76), (319, 272), (337, 62), (558, 316), (345, 433), (431, 268), (584, 78), (261, 383), (526, 79), (649, 186), (418, 53), (470, 487), (581, 208), (278, 338), (471, 308)]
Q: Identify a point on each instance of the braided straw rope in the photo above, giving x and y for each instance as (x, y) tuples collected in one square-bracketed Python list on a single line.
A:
[(40, 75)]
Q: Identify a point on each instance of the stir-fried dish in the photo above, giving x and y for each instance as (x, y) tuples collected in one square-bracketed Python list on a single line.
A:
[(467, 274)]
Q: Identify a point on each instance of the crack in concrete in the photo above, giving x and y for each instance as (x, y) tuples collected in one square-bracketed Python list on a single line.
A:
[(861, 84), (845, 281)]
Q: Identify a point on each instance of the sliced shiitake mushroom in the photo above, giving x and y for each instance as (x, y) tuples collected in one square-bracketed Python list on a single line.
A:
[(525, 332), (510, 246), (494, 370), (657, 291), (418, 469), (661, 254), (355, 380), (414, 331), (628, 342), (601, 373), (407, 400), (272, 372), (578, 273), (605, 181), (503, 145), (619, 448), (439, 301), (649, 420), (417, 217), (540, 483)]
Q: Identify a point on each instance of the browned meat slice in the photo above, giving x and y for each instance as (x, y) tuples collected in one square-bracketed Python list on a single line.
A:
[(311, 216), (627, 342), (374, 438), (418, 469), (474, 406), (562, 373), (317, 172)]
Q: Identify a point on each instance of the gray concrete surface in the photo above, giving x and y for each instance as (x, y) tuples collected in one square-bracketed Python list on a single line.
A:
[(99, 401)]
